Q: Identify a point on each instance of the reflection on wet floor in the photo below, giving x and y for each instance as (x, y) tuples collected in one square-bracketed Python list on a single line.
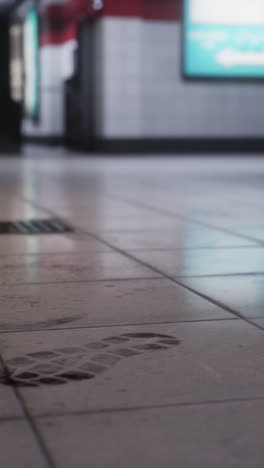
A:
[(141, 332)]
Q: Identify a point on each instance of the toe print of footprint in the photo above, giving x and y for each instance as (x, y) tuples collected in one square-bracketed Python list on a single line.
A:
[(83, 362)]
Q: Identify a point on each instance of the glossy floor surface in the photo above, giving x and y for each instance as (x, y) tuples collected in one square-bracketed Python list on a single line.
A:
[(137, 340)]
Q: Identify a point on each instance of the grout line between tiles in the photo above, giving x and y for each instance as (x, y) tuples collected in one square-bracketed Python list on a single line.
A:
[(222, 305), (122, 325), (184, 404), (111, 280), (43, 254), (35, 430), (221, 275), (11, 418), (120, 280), (162, 276), (27, 416), (167, 249), (171, 214), (98, 251)]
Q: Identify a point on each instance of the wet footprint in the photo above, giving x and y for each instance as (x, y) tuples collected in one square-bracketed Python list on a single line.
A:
[(80, 363)]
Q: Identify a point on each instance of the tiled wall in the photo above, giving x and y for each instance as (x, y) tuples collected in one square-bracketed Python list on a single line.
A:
[(146, 96), (176, 108), (122, 83)]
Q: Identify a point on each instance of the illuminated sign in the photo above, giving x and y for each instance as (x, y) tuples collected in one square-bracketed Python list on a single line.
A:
[(31, 65), (224, 38)]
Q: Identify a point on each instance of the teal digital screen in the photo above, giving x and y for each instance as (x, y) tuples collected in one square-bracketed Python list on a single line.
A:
[(31, 63), (223, 38)]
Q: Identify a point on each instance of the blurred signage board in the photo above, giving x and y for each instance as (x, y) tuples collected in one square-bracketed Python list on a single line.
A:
[(223, 38), (31, 63)]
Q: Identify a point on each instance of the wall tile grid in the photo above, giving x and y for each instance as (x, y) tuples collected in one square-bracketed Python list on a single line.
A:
[(146, 96), (192, 108), (122, 80)]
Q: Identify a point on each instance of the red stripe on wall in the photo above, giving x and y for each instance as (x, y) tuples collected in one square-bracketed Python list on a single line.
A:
[(125, 8), (58, 38), (72, 9), (167, 10), (60, 20), (162, 10)]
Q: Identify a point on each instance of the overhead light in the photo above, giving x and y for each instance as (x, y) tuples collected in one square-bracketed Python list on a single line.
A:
[(98, 4)]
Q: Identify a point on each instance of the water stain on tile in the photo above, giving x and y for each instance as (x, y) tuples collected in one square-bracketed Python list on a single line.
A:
[(62, 365)]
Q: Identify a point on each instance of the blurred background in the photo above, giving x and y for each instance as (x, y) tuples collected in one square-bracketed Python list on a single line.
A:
[(132, 75)]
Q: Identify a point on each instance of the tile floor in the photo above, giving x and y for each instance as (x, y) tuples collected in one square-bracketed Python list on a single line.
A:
[(137, 340)]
